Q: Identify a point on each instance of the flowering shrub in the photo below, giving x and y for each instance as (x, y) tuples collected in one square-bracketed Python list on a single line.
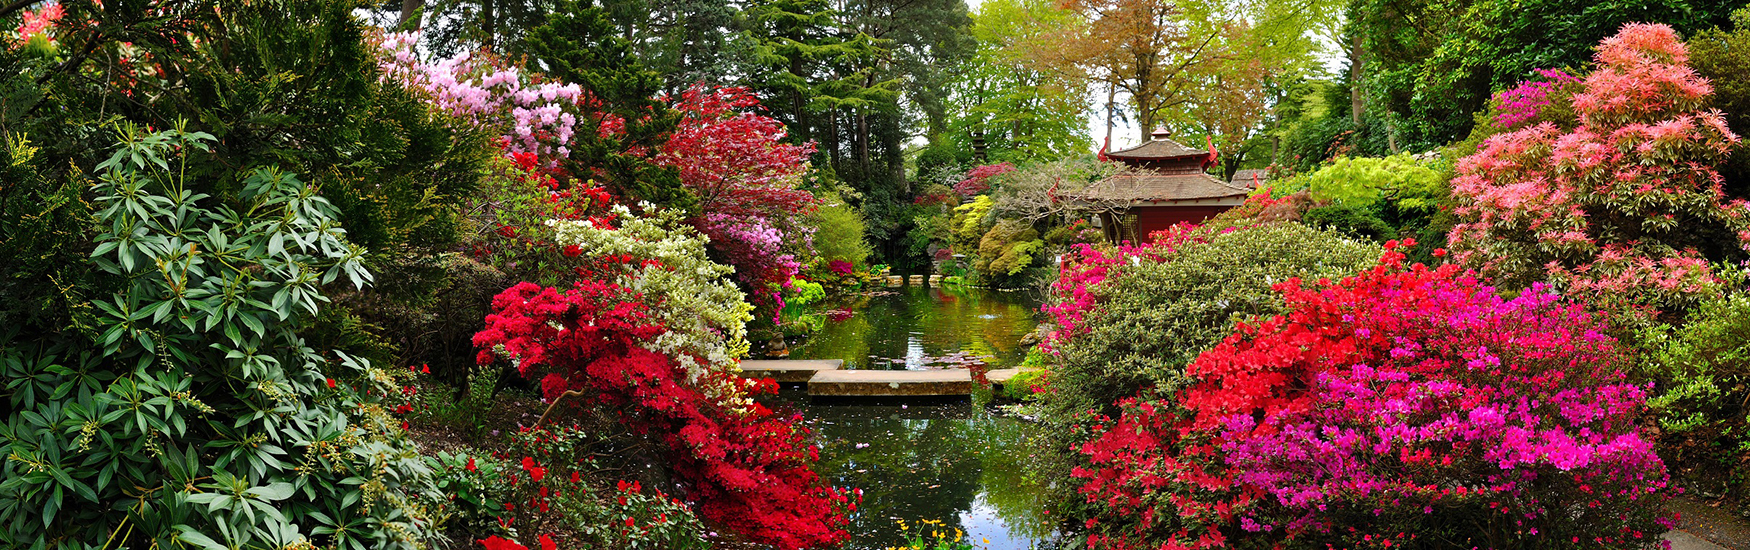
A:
[(703, 315), (548, 480), (653, 334), (742, 466), (1399, 404), (509, 218), (745, 178), (977, 179), (36, 26), (1626, 207), (535, 117), (1132, 317), (1527, 101)]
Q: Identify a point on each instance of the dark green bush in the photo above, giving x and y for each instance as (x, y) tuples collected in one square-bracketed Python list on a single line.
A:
[(1155, 316), (193, 412), (1723, 57), (1359, 222)]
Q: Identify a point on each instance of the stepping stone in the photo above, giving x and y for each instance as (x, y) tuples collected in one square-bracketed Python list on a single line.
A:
[(790, 371), (1683, 540), (879, 383), (1002, 376)]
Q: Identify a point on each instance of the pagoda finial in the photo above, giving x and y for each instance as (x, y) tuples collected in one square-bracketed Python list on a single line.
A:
[(1161, 133)]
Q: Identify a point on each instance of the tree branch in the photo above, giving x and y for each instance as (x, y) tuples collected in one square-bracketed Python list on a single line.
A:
[(15, 6), (555, 403)]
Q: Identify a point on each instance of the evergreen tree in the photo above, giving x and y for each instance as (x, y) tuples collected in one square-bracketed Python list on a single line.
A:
[(580, 45)]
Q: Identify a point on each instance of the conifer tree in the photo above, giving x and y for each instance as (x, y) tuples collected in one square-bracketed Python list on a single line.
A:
[(579, 44)]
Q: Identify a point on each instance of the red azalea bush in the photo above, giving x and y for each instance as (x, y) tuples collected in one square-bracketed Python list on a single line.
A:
[(743, 467), (1399, 405), (1627, 206)]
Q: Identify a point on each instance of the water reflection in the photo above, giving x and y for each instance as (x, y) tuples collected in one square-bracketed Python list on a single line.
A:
[(954, 463), (922, 328)]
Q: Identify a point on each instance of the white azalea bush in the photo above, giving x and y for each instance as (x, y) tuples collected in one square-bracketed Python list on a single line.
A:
[(694, 297)]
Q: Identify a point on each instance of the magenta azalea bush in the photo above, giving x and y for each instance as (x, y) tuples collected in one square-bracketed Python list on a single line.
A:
[(1528, 100), (1401, 407)]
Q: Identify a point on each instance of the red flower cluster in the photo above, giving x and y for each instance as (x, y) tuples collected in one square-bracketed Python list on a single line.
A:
[(496, 543), (745, 469)]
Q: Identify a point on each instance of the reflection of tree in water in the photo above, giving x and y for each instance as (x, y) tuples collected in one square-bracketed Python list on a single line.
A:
[(911, 469), (927, 468), (1007, 447), (844, 338), (944, 322), (925, 462)]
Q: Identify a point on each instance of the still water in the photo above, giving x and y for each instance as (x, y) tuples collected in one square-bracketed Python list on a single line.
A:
[(922, 328), (956, 463)]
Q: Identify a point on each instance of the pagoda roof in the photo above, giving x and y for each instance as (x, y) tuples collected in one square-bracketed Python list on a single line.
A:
[(1156, 187), (1160, 148), (1250, 178)]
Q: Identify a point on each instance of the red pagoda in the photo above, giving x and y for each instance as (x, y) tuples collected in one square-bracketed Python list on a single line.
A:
[(1167, 185)]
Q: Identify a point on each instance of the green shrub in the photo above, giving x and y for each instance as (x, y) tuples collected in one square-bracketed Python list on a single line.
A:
[(1703, 369), (803, 292), (1020, 387), (1357, 222), (1724, 59), (199, 415), (1154, 317), (1006, 251), (969, 224), (838, 231)]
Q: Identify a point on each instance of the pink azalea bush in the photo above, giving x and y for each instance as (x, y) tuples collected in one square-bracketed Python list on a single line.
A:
[(534, 117), (1404, 406), (1627, 207)]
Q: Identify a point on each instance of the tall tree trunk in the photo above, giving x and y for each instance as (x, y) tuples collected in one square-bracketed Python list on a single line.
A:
[(832, 140), (408, 8), (798, 107), (490, 15), (1357, 101), (1391, 133), (1111, 108), (863, 140)]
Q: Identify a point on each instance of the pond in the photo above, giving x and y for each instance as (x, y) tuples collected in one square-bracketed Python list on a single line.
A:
[(913, 327), (956, 463)]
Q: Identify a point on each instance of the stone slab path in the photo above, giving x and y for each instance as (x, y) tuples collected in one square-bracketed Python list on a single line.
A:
[(890, 383), (1704, 527), (1002, 376), (790, 371)]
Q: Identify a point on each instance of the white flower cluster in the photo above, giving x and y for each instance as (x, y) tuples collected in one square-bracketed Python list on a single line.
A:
[(694, 297)]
